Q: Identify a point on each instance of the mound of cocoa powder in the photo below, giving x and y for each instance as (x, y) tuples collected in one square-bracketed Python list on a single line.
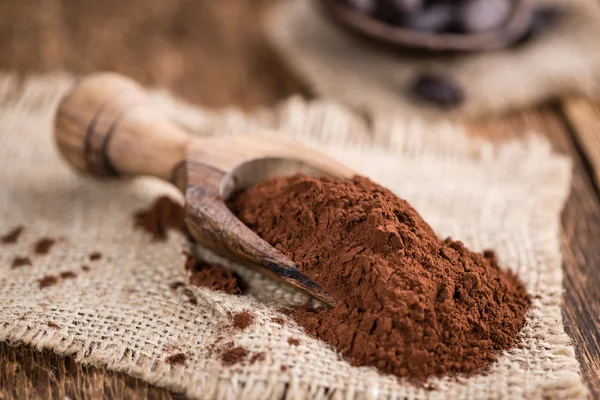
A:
[(409, 303)]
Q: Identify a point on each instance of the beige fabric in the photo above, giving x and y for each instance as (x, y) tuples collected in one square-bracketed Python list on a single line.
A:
[(338, 66), (124, 316)]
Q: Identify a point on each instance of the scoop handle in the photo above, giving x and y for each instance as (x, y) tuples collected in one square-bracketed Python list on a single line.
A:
[(106, 126)]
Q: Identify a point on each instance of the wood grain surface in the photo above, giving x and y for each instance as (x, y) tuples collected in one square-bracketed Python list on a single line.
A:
[(215, 54)]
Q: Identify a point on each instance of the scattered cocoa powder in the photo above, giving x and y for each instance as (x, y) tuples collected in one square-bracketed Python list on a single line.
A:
[(95, 256), (164, 214), (176, 285), (283, 368), (47, 280), (169, 348), (408, 303), (213, 276), (293, 342), (68, 275), (43, 245), (257, 357), (176, 359), (234, 355), (20, 262), (53, 325), (12, 236), (191, 297), (85, 268), (278, 320), (242, 320)]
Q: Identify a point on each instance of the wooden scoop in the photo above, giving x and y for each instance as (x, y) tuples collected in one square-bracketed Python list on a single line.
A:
[(106, 126)]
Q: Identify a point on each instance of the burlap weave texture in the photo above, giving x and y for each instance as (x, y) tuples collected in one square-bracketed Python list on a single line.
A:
[(122, 314)]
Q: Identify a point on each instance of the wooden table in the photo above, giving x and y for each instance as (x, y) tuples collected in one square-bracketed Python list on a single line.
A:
[(217, 55)]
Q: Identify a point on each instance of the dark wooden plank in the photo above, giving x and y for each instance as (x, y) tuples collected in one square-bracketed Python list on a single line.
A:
[(209, 52), (579, 236), (583, 117), (26, 373)]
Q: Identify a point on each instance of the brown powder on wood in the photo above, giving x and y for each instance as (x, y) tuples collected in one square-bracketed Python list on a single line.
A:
[(47, 280), (234, 355), (43, 245), (20, 262), (176, 359), (213, 276), (409, 303), (12, 236), (242, 320), (164, 214)]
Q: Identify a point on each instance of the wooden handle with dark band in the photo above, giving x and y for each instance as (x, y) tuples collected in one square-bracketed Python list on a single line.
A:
[(106, 126)]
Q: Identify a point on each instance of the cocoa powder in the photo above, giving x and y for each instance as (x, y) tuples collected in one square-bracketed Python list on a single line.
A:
[(163, 214), (242, 320), (257, 357), (53, 325), (408, 303), (234, 355), (47, 280), (68, 275), (43, 245), (20, 262), (12, 236), (176, 359), (213, 276)]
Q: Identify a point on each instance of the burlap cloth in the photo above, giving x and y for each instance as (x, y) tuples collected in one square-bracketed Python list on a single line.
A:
[(339, 66), (123, 315)]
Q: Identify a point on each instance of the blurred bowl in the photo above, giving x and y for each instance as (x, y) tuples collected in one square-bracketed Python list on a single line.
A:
[(513, 28)]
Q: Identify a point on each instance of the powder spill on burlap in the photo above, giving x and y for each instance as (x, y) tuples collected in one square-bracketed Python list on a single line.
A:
[(12, 236), (53, 325), (213, 276), (242, 320), (165, 214), (409, 303), (43, 245), (234, 355), (162, 215), (20, 262), (256, 357), (47, 280), (192, 299), (176, 285), (68, 275), (176, 359)]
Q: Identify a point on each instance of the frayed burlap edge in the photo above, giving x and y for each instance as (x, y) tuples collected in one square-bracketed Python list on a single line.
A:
[(122, 315), (342, 67)]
